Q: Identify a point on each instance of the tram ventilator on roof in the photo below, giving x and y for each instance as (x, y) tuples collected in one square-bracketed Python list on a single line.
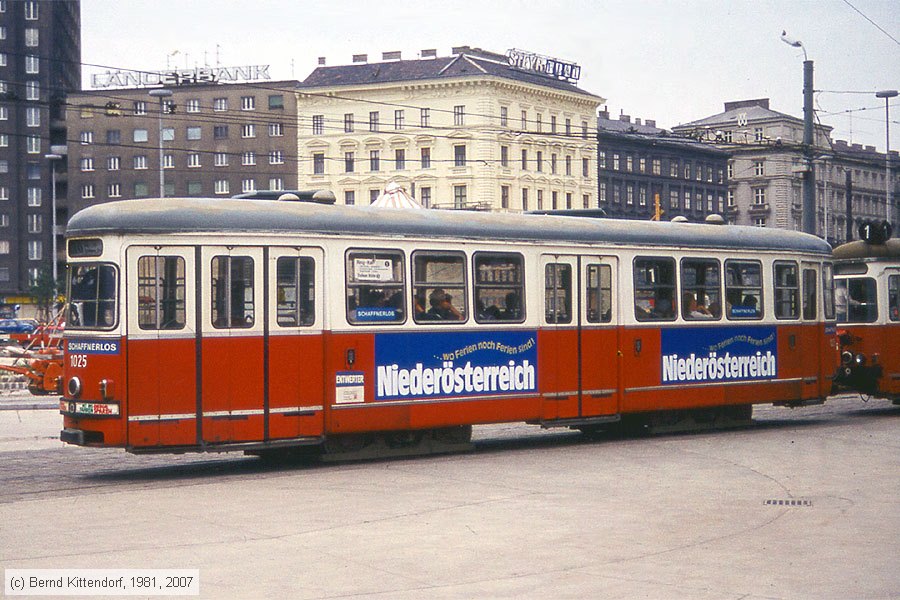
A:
[(394, 196)]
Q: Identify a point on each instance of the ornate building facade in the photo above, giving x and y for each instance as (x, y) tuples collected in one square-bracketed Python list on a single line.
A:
[(466, 131)]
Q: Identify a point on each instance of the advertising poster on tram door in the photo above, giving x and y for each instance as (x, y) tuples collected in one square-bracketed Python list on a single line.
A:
[(415, 366), (719, 354)]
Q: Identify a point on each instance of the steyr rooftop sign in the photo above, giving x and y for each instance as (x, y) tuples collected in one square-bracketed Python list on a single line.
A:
[(179, 76), (544, 65)]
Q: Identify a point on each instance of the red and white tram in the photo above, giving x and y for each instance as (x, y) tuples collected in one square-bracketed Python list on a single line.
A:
[(867, 297), (209, 325)]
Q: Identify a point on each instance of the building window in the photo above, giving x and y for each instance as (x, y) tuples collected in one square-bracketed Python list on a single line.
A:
[(35, 250), (87, 164), (220, 104), (32, 116), (687, 201), (504, 116), (759, 221), (193, 133), (349, 161), (31, 11), (113, 136), (114, 190), (35, 223), (348, 122), (248, 185), (220, 159), (459, 118), (615, 161), (248, 159), (758, 134), (524, 199), (539, 160), (140, 162), (373, 195), (193, 105), (248, 131), (4, 248), (276, 184), (112, 163), (140, 107), (4, 220), (32, 64), (674, 199), (568, 165), (504, 196), (687, 170), (504, 156), (553, 164), (759, 196), (276, 157), (32, 91), (426, 158), (374, 160), (221, 186), (585, 167), (168, 134), (349, 197), (540, 199), (459, 196), (425, 196), (398, 119), (276, 101), (141, 190), (629, 163), (33, 144), (399, 159), (32, 37), (373, 120), (318, 124), (248, 102), (34, 196), (220, 132), (318, 163), (602, 191), (193, 160), (524, 160), (425, 117), (629, 194), (552, 123), (459, 155), (139, 135), (276, 129), (87, 190), (524, 120), (568, 126), (584, 130), (87, 137), (759, 168), (538, 125)]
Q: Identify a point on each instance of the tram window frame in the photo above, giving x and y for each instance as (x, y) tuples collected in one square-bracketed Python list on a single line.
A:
[(558, 286), (161, 292), (596, 293), (231, 309), (295, 291), (432, 288), (851, 306), (828, 290), (654, 291), (787, 289), (76, 315), (810, 298), (370, 284), (711, 308), (744, 290), (502, 273), (894, 297)]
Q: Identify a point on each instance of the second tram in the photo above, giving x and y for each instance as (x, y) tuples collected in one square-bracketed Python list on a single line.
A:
[(210, 325)]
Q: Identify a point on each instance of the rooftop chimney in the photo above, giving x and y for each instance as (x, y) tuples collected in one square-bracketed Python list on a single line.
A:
[(430, 53), (650, 122), (360, 58), (637, 121), (392, 55), (321, 61), (762, 102)]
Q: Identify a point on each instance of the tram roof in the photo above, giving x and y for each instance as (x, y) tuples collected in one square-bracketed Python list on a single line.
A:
[(861, 250), (214, 215)]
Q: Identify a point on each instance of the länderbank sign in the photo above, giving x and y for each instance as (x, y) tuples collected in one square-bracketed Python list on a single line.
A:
[(431, 365)]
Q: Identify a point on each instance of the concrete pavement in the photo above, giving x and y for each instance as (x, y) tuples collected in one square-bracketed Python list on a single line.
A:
[(801, 505)]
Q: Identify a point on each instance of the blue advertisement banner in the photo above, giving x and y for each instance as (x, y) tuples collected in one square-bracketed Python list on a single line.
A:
[(411, 366), (719, 354)]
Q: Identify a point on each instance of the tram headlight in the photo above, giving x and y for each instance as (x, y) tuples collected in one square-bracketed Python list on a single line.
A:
[(846, 357), (860, 360), (74, 387)]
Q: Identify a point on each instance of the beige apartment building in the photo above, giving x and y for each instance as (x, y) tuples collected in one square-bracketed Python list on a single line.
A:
[(473, 130)]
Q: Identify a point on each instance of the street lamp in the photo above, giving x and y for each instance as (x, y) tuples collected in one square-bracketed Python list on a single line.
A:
[(162, 94), (889, 189), (809, 175), (53, 158)]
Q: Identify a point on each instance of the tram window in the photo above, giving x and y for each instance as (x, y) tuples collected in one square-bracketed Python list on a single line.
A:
[(599, 294), (499, 287), (701, 289), (439, 287), (92, 296), (894, 297), (856, 300), (375, 287), (232, 292), (558, 293), (296, 293), (654, 289), (161, 292), (743, 289), (810, 281), (828, 289), (787, 290)]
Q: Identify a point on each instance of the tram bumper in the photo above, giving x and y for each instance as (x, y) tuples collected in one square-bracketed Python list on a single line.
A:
[(79, 437)]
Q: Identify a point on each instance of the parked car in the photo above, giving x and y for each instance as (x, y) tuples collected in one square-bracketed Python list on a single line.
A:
[(18, 325)]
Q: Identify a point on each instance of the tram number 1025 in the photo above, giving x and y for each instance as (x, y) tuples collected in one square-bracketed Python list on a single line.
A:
[(78, 361)]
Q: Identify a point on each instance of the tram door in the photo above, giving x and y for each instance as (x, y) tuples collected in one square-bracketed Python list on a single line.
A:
[(232, 315), (579, 340), (295, 343), (162, 346)]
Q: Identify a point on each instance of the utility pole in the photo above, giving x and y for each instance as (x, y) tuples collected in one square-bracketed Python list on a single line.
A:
[(849, 206), (809, 174)]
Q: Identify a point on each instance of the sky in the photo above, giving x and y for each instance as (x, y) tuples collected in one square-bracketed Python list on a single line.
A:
[(674, 61)]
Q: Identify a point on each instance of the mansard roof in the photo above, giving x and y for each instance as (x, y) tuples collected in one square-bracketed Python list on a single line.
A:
[(468, 62)]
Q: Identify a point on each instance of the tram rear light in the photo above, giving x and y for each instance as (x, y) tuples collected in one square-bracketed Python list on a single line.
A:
[(74, 387), (107, 389)]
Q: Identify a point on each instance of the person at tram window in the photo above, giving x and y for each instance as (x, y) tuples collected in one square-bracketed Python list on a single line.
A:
[(662, 307), (513, 308), (442, 306), (419, 303), (692, 309)]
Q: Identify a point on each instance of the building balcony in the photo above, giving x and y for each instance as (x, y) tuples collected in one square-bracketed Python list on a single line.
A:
[(760, 209)]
